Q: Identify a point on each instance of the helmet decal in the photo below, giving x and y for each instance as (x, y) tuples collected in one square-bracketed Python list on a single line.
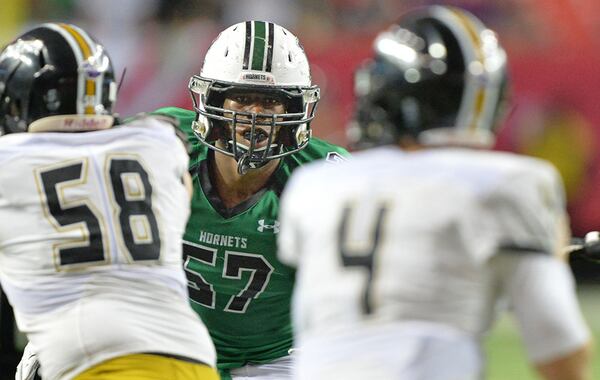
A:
[(258, 49), (474, 108), (89, 57)]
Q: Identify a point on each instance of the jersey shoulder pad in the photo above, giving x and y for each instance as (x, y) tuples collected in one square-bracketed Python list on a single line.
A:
[(161, 117), (323, 149), (184, 118), (528, 207), (318, 149), (10, 144), (196, 150), (174, 122), (315, 150)]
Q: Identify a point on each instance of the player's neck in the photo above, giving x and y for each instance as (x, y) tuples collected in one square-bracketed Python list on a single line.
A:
[(234, 188)]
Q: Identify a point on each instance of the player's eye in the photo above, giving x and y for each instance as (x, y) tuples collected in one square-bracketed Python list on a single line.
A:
[(242, 99), (271, 101)]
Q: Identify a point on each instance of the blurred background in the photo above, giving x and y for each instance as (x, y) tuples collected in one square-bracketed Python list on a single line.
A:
[(554, 60), (553, 46)]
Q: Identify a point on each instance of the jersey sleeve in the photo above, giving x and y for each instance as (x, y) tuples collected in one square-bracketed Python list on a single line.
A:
[(289, 237), (330, 152), (171, 138), (527, 212), (542, 298)]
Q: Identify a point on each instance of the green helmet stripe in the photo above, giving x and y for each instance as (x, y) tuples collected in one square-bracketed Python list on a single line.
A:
[(270, 47), (258, 53), (247, 45)]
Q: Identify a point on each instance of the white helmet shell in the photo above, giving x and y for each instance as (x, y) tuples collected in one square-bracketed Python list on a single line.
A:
[(257, 52)]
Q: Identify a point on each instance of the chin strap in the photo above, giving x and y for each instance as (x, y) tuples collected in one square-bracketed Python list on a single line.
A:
[(245, 164), (245, 161)]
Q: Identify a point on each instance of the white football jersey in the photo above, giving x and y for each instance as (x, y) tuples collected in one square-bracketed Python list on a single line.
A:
[(90, 245), (392, 237)]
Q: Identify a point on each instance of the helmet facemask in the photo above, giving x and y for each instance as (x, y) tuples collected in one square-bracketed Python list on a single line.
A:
[(252, 138)]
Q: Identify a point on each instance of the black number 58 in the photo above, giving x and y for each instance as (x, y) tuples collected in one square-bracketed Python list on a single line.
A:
[(130, 192)]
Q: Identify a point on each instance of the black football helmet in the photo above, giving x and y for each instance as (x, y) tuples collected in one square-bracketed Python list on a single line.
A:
[(54, 69), (438, 75)]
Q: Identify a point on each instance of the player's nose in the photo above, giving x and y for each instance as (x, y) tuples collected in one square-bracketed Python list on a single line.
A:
[(256, 107)]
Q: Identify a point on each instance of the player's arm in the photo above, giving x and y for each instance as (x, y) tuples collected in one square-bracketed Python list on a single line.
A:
[(530, 265), (541, 292), (572, 366)]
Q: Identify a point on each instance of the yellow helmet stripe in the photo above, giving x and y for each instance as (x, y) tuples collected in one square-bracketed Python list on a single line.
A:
[(473, 33), (83, 45), (90, 84), (472, 30)]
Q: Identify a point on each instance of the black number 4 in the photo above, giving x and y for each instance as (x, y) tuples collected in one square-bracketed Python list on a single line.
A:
[(355, 258), (132, 204)]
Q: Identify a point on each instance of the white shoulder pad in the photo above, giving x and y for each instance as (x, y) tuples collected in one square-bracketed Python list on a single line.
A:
[(528, 209)]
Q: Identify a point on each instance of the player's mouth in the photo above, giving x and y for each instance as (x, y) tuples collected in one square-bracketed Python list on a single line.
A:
[(260, 136)]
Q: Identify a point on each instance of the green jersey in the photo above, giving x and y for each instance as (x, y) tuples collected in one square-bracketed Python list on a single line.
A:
[(236, 284)]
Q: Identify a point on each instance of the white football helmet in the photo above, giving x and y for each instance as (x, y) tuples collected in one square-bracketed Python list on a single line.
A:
[(254, 57)]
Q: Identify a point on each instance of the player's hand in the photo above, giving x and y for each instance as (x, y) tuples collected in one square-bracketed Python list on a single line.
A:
[(28, 366), (587, 248)]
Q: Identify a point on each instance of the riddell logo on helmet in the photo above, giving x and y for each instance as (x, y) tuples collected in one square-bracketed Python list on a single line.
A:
[(88, 123), (257, 77)]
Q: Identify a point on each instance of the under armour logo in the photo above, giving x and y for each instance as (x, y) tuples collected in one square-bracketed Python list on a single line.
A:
[(262, 226)]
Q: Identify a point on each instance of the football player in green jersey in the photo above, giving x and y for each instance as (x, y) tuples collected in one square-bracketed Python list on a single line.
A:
[(250, 128)]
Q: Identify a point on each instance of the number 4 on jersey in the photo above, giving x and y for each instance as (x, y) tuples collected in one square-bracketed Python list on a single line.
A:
[(361, 258)]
